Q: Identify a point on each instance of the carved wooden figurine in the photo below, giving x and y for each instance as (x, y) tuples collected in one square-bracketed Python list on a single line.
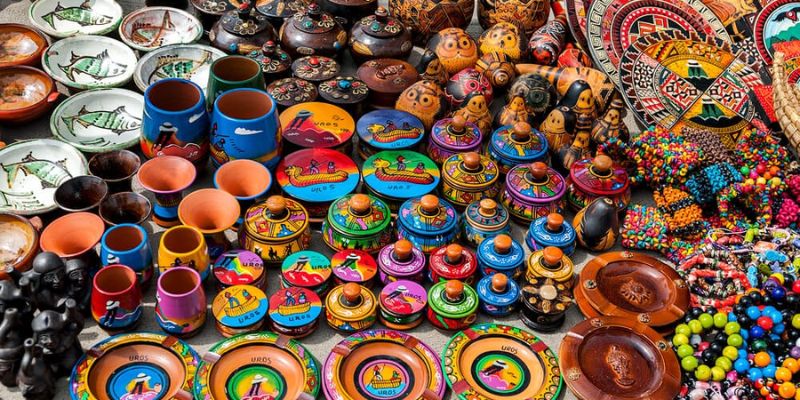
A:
[(579, 149), (610, 125), (513, 111), (559, 128)]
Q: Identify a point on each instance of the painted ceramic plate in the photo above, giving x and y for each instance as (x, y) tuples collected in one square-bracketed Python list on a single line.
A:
[(65, 18), (493, 362), (316, 125), (317, 175), (618, 23), (257, 364), (401, 174), (30, 172), (776, 23), (390, 129), (138, 365), (382, 364), (89, 62), (187, 61), (99, 120), (576, 18), (152, 27)]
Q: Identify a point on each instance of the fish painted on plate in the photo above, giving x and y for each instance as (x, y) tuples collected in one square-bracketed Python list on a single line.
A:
[(149, 35), (19, 201), (98, 67), (118, 120), (50, 173), (173, 66), (82, 15)]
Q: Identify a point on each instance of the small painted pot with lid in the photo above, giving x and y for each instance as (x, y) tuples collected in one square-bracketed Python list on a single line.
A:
[(275, 63), (241, 31), (346, 92), (239, 309), (316, 125), (551, 230), (453, 262), (315, 69), (379, 36), (551, 262), (312, 32), (516, 144), (239, 267), (501, 254), (357, 221), (533, 191), (401, 260), (545, 302), (469, 177), (598, 177), (387, 78), (274, 229), (396, 176), (402, 304), (350, 308), (388, 130), (348, 12), (428, 222), (484, 219), (452, 305), (308, 269), (451, 136), (498, 295), (355, 266), (291, 91), (294, 311)]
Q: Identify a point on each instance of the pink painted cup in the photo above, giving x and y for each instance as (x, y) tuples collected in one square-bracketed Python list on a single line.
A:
[(180, 302)]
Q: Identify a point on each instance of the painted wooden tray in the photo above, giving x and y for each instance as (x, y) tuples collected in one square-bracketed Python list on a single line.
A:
[(777, 22)]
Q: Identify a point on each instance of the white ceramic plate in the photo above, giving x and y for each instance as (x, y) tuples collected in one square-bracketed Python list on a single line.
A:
[(89, 62), (187, 61), (99, 120), (30, 172), (65, 18), (153, 27)]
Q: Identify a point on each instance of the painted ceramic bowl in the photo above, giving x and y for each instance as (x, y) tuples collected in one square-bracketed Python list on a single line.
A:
[(125, 208), (89, 62), (162, 366), (257, 364), (65, 18), (21, 45), (382, 364), (19, 242), (187, 61), (150, 28), (32, 170), (99, 120), (25, 94)]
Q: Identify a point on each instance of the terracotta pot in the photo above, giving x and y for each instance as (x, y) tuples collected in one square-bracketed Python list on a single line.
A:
[(22, 45), (19, 242), (129, 245), (212, 212), (246, 180), (125, 208), (116, 298), (116, 167), (81, 193), (183, 246), (74, 236), (180, 302), (167, 177), (36, 94)]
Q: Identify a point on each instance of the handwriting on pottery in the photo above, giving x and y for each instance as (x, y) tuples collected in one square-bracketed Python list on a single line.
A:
[(173, 66), (81, 15), (118, 120), (99, 67), (149, 35)]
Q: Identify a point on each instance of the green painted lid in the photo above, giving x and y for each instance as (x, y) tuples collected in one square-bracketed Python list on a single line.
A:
[(460, 307), (359, 215)]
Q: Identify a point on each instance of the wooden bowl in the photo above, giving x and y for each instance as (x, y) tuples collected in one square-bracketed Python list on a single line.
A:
[(27, 93), (21, 45)]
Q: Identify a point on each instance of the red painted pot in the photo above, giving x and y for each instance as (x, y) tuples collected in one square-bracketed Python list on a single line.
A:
[(116, 298)]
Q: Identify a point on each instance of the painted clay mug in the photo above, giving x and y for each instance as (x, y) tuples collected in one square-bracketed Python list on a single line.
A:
[(167, 177), (233, 72), (183, 246), (175, 121), (129, 245), (116, 298), (244, 125), (180, 302)]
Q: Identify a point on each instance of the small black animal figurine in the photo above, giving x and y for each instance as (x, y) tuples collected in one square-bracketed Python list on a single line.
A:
[(78, 282), (56, 332), (35, 379), (46, 280), (597, 224), (11, 350)]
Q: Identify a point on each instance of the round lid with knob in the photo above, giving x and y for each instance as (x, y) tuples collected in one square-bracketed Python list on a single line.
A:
[(501, 253), (552, 230), (599, 176), (315, 68), (446, 263), (456, 134), (314, 20), (290, 91), (550, 262), (400, 174), (276, 219), (401, 259), (350, 302), (427, 216), (518, 143), (497, 290), (381, 25), (535, 183), (344, 90), (470, 170), (359, 215), (547, 296), (453, 299), (272, 58), (486, 215), (403, 250), (244, 21)]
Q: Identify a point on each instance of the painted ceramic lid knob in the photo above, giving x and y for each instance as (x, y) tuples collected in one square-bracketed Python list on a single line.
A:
[(403, 250), (352, 293), (539, 171), (457, 124), (521, 132), (381, 14), (602, 164), (453, 253), (472, 161), (502, 244), (552, 257), (360, 204), (554, 222), (429, 204), (276, 205), (487, 208), (453, 290), (499, 283)]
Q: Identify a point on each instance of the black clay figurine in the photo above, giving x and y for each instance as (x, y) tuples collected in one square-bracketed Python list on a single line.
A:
[(57, 334), (35, 379), (46, 281), (11, 350)]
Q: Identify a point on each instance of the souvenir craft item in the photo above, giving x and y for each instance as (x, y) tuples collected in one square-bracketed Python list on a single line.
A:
[(239, 309), (12, 339), (386, 129), (80, 193), (244, 125), (354, 266), (450, 136), (116, 168), (489, 361), (770, 28), (168, 363), (538, 95), (186, 61), (545, 302), (183, 246), (469, 177), (576, 17), (425, 100), (274, 229), (150, 28), (550, 263), (396, 176), (241, 31), (74, 235), (501, 254), (379, 364), (424, 19), (455, 48), (116, 298), (431, 69), (532, 191), (505, 38), (210, 11), (593, 178), (316, 125), (129, 245), (580, 148), (546, 43), (476, 110), (573, 57), (290, 91), (278, 11), (175, 121), (498, 294), (307, 269), (21, 45), (315, 68), (465, 83), (275, 63), (312, 31), (784, 102), (358, 222), (379, 36), (125, 208), (61, 19), (401, 261), (57, 281), (597, 225), (19, 243), (452, 305), (89, 62), (452, 262), (640, 363), (428, 222), (180, 302), (497, 68), (166, 177), (551, 230), (386, 79), (529, 15), (563, 78), (294, 311), (32, 170), (402, 305), (610, 124), (350, 308), (257, 364), (349, 12), (246, 180), (27, 93), (212, 212), (484, 219), (233, 72), (51, 352), (239, 267), (517, 144), (346, 92)]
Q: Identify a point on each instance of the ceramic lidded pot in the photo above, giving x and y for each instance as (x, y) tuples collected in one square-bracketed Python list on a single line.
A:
[(498, 295), (450, 136), (294, 311), (469, 177), (275, 63), (401, 260), (501, 254), (598, 177), (357, 221), (315, 68), (402, 305), (396, 176), (312, 32), (350, 308), (239, 309), (379, 36), (316, 125), (532, 191), (483, 219), (354, 266), (346, 92), (428, 222), (129, 245), (244, 125), (349, 12), (280, 10), (22, 45), (19, 242), (180, 302), (239, 267), (241, 31), (545, 302), (551, 230), (452, 305), (550, 262), (29, 93), (274, 229), (183, 246), (290, 91), (425, 18), (453, 262), (386, 78), (388, 130), (517, 144), (307, 269)]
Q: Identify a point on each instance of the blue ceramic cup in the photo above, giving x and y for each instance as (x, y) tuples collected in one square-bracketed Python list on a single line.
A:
[(129, 245), (175, 121), (244, 125)]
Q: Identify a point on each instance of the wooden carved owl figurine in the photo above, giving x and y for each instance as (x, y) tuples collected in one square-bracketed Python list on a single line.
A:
[(497, 68), (425, 100), (431, 69), (579, 149), (476, 110), (610, 125), (529, 14), (455, 48), (504, 38), (597, 225), (559, 128), (580, 99), (513, 112)]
